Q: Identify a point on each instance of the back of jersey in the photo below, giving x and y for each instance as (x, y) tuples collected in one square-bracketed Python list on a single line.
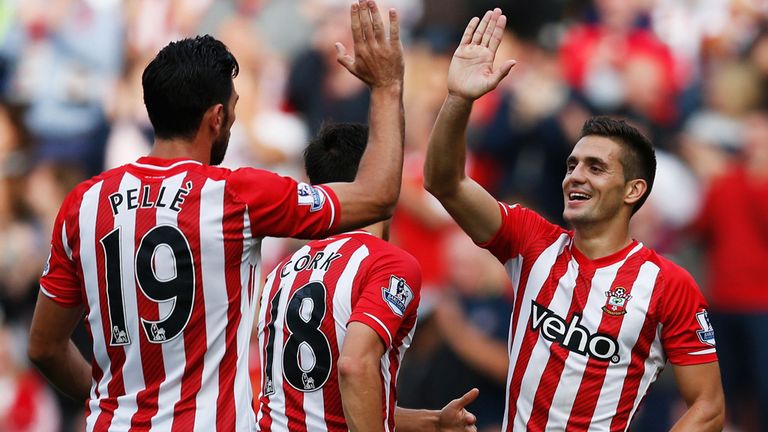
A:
[(307, 302), (162, 261)]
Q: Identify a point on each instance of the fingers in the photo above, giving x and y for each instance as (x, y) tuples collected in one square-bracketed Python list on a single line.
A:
[(477, 37), (378, 24), (469, 397), (394, 27), (469, 31), (491, 27), (365, 21), (498, 33), (357, 31), (469, 418), (342, 57), (503, 70)]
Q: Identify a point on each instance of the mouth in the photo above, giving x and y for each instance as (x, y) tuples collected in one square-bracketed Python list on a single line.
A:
[(575, 198)]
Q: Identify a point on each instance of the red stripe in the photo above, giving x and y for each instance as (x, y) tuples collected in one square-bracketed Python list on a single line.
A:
[(152, 364), (542, 401), (594, 374), (529, 338), (636, 368), (233, 251), (195, 341), (104, 225), (96, 371)]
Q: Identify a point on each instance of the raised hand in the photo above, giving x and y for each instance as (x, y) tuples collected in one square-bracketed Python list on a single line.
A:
[(455, 418), (471, 72), (378, 57)]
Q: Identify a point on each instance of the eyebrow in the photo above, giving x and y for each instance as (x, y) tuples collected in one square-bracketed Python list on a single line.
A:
[(589, 160)]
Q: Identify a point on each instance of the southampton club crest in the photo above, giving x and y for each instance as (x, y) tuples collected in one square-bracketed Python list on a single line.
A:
[(398, 295), (617, 301)]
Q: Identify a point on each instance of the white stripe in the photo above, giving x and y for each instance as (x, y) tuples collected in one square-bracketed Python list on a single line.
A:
[(703, 352), (87, 222), (133, 373), (174, 355), (342, 297), (514, 269), (637, 312), (389, 335), (165, 168), (653, 367), (215, 299), (330, 202), (47, 293), (249, 277), (387, 380), (314, 403), (538, 275), (65, 240)]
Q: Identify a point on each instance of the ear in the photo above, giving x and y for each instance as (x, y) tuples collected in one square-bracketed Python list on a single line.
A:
[(634, 190), (214, 118)]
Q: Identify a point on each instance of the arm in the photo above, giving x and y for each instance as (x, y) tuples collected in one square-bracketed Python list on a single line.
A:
[(378, 61), (54, 354), (453, 417), (360, 378), (470, 76), (702, 391)]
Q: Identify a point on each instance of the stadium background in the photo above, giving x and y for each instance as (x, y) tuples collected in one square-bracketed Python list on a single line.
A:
[(692, 74)]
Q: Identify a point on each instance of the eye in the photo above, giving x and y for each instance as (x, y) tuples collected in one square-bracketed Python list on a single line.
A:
[(569, 167), (596, 169)]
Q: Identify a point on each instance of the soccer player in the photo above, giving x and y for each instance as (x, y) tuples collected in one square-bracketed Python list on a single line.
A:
[(596, 313), (162, 255), (336, 318)]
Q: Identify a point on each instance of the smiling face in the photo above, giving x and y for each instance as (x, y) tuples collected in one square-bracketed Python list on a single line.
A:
[(594, 188)]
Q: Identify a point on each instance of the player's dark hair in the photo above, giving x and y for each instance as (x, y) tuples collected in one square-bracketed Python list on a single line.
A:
[(638, 157), (334, 154), (185, 79)]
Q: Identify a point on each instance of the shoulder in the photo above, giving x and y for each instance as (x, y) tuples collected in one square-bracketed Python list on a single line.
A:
[(671, 274)]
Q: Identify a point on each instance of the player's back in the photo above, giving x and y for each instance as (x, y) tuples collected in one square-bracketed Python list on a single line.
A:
[(164, 255), (307, 302)]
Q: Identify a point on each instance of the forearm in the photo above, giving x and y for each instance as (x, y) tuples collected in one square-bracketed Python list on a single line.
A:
[(361, 395), (446, 153), (381, 167), (413, 420), (66, 369), (702, 416)]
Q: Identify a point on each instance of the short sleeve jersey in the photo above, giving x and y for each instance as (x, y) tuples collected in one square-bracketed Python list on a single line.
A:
[(164, 257), (589, 337), (307, 303)]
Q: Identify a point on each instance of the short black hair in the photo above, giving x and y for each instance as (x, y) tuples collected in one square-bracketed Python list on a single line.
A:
[(638, 157), (334, 154), (185, 79)]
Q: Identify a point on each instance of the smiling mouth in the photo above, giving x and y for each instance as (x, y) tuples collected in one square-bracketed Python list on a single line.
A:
[(578, 196)]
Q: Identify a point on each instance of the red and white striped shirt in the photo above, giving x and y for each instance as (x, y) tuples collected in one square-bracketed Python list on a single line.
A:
[(307, 303), (588, 337), (164, 255)]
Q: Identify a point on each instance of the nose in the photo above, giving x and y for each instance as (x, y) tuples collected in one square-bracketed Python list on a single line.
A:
[(577, 175)]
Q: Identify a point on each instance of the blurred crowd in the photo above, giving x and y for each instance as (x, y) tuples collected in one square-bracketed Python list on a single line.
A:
[(693, 75)]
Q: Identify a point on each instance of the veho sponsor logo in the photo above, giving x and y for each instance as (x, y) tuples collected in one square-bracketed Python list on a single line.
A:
[(572, 335)]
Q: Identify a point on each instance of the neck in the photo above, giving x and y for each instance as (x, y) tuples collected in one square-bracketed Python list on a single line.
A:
[(598, 240), (180, 149), (380, 230)]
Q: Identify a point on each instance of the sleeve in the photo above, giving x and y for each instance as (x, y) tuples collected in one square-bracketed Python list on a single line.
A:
[(389, 296), (686, 334), (282, 207), (518, 226), (60, 281)]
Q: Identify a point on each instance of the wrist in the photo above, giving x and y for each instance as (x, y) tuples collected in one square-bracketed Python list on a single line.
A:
[(393, 88), (458, 99)]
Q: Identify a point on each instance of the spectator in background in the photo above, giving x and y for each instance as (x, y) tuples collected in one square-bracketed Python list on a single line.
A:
[(733, 224), (68, 56), (26, 402), (317, 89)]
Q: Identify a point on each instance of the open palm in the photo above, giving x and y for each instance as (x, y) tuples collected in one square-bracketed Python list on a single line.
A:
[(471, 72)]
